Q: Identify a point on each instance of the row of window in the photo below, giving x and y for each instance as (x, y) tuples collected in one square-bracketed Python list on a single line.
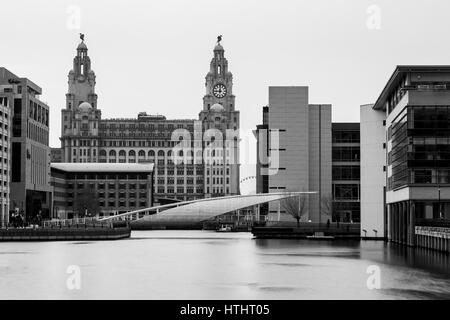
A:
[(180, 172), (180, 190), (420, 146), (38, 113), (346, 154), (107, 176), (345, 136), (161, 181), (114, 204)]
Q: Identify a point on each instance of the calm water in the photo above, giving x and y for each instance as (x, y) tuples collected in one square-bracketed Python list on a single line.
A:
[(210, 265)]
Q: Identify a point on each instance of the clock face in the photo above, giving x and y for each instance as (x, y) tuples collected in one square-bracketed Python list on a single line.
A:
[(220, 90)]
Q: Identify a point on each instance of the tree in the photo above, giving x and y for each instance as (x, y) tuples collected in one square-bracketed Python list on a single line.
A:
[(86, 202), (327, 205), (295, 206)]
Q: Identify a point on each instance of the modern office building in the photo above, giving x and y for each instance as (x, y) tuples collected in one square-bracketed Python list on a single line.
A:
[(87, 138), (414, 110), (346, 172), (295, 150), (5, 155), (29, 190), (106, 189)]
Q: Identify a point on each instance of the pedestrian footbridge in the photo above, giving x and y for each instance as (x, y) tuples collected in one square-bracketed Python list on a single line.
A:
[(201, 209)]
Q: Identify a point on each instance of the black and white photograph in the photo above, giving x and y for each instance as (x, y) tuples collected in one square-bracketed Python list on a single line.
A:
[(234, 151)]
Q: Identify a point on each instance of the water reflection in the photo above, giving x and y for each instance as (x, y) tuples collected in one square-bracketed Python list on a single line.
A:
[(210, 265)]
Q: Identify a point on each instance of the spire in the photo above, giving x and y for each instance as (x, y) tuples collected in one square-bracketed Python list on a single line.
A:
[(82, 46), (82, 63), (218, 49)]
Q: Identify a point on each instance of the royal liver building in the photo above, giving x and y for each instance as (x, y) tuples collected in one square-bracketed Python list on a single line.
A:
[(193, 158)]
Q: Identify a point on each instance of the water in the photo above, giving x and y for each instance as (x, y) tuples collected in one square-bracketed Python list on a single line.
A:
[(211, 265)]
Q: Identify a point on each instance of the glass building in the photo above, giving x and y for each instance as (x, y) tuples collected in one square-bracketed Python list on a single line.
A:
[(416, 103), (346, 172)]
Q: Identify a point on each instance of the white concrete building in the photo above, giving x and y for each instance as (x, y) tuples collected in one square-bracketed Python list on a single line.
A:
[(299, 148), (373, 175)]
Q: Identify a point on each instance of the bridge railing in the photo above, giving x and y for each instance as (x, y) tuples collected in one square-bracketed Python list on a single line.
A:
[(86, 222), (138, 214)]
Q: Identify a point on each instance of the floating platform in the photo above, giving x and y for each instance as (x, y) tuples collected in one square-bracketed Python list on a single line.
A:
[(64, 234), (304, 233)]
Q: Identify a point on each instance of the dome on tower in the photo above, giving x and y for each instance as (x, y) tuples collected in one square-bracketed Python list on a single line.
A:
[(218, 47), (85, 106), (217, 107), (82, 46)]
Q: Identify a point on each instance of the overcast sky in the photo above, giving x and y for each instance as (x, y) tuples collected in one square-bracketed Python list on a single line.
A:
[(153, 55)]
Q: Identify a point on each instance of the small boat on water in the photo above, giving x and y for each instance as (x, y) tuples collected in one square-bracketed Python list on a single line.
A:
[(320, 236), (224, 228)]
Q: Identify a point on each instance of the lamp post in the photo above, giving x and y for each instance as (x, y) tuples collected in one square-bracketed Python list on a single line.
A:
[(439, 201)]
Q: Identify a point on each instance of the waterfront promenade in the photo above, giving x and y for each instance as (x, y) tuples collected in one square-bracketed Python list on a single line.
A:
[(67, 230)]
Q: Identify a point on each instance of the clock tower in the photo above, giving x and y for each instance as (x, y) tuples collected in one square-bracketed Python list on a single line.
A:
[(81, 117), (222, 170), (219, 82)]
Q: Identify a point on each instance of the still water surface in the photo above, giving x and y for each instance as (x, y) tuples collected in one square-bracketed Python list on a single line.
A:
[(211, 265)]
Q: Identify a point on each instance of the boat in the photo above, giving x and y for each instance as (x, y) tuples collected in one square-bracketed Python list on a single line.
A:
[(224, 228), (320, 236)]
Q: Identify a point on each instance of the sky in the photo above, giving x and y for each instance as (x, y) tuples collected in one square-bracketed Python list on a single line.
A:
[(153, 56)]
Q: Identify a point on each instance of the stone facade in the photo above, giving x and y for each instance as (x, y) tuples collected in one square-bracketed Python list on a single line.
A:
[(208, 162)]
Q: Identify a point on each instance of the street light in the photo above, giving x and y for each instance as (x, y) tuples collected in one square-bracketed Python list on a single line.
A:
[(439, 201)]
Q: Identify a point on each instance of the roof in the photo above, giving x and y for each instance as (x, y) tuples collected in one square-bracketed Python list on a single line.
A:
[(345, 126), (82, 46), (396, 77), (204, 209), (103, 167), (5, 75), (218, 47)]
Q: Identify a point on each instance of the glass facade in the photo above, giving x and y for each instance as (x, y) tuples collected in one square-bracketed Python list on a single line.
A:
[(346, 172), (420, 152)]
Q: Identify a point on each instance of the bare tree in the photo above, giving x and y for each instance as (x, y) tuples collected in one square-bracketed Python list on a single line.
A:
[(86, 201), (327, 205), (295, 207)]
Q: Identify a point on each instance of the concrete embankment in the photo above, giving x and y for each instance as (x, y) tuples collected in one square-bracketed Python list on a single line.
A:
[(64, 234)]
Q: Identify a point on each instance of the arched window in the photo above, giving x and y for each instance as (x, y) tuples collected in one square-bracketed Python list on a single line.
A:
[(102, 156), (132, 156), (122, 156), (151, 153), (112, 156), (170, 157), (160, 153)]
